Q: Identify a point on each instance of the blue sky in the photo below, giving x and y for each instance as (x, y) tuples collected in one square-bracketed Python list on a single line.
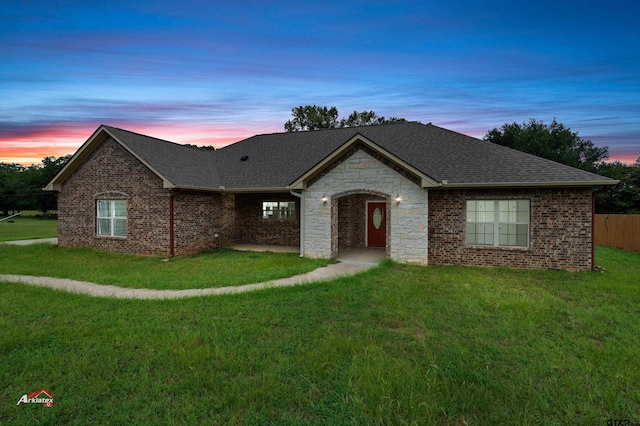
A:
[(210, 72)]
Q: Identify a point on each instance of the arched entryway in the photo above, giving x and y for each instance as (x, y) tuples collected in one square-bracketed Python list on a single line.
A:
[(360, 219)]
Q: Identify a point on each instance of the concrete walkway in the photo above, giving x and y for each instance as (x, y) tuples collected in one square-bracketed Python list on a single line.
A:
[(36, 241), (350, 262), (321, 274)]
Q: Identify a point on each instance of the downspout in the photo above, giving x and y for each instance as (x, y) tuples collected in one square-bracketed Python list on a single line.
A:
[(171, 215), (301, 197)]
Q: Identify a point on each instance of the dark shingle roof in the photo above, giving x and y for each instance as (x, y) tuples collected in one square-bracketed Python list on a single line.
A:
[(277, 160), (184, 166)]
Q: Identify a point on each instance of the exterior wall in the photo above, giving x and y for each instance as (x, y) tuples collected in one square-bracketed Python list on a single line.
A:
[(112, 169), (251, 228), (560, 230), (201, 222), (361, 172)]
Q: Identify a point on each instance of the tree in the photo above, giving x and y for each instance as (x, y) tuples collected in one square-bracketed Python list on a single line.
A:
[(201, 148), (367, 118), (623, 198), (9, 183), (312, 117), (554, 142), (21, 187), (50, 167)]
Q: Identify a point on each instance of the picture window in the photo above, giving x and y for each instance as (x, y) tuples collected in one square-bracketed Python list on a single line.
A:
[(500, 223), (112, 218)]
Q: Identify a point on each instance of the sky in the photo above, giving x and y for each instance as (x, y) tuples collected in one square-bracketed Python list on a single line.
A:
[(216, 72)]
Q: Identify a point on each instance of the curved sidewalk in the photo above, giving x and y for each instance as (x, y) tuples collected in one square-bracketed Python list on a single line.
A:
[(99, 290)]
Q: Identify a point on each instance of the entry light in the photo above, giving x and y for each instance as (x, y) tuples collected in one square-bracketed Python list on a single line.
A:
[(398, 199), (324, 200)]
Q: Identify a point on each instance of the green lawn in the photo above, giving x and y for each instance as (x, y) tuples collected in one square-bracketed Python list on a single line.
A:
[(216, 268), (27, 228), (394, 345)]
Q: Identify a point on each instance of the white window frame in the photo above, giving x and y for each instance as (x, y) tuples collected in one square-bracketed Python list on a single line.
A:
[(505, 220), (281, 210), (112, 218)]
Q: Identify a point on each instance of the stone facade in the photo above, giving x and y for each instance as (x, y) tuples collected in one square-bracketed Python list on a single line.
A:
[(362, 173), (560, 229)]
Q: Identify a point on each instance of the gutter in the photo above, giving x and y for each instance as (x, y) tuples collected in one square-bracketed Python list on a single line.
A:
[(444, 184), (223, 189), (301, 197)]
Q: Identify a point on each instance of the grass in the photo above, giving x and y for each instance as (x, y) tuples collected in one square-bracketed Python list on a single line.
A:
[(395, 345), (218, 268), (26, 227)]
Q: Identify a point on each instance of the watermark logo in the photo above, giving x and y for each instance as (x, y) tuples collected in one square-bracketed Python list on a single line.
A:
[(40, 397)]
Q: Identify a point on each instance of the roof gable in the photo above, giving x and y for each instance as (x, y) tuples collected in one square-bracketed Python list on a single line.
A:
[(360, 142), (177, 165)]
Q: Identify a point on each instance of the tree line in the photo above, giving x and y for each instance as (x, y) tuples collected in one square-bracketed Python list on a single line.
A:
[(21, 187)]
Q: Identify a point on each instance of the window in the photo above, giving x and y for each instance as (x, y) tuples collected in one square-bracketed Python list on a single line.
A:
[(112, 218), (278, 209), (498, 223)]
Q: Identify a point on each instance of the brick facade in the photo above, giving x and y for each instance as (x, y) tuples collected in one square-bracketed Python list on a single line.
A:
[(251, 228), (201, 222), (560, 229), (112, 172), (560, 219)]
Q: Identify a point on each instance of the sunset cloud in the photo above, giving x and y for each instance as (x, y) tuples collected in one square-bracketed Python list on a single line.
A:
[(216, 72)]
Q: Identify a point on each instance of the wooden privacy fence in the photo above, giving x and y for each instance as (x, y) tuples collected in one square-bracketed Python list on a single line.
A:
[(617, 230)]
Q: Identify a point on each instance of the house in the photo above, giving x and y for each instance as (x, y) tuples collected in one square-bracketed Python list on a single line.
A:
[(425, 194)]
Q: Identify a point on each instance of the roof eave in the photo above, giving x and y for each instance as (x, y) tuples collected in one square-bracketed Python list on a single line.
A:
[(262, 189), (227, 190), (556, 184)]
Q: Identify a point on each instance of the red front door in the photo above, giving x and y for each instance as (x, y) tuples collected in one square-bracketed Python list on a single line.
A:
[(376, 224)]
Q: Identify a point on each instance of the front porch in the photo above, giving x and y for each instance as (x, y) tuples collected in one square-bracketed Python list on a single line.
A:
[(359, 219), (346, 255), (264, 247)]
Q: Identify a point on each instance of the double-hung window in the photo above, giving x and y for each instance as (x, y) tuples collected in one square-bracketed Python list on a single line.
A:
[(500, 223), (112, 218), (278, 209)]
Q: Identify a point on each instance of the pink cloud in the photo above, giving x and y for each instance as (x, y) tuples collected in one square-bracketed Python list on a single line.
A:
[(626, 157), (29, 145)]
